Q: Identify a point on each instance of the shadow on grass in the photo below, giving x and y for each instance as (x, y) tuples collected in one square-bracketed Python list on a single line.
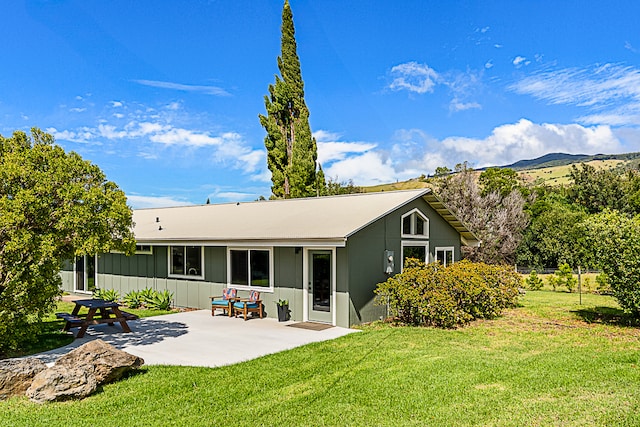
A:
[(50, 336), (607, 316)]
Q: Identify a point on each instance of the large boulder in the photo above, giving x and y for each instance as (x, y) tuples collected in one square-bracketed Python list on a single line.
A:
[(103, 360), (16, 375), (62, 383)]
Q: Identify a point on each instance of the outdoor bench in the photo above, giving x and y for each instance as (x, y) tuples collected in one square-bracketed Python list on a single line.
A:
[(71, 319), (125, 314), (105, 309)]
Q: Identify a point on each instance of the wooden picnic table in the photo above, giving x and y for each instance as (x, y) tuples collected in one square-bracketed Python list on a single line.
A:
[(105, 309)]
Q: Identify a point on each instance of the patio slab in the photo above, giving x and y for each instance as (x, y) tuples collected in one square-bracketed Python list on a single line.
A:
[(195, 338)]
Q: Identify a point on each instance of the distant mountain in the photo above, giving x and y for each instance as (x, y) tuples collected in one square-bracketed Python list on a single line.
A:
[(551, 159), (562, 159), (551, 169)]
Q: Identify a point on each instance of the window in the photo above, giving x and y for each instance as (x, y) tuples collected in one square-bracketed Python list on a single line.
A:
[(250, 267), (415, 224), (445, 255), (186, 261), (144, 250), (85, 270), (417, 250)]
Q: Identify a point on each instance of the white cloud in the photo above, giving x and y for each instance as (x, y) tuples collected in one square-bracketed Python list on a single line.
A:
[(519, 61), (170, 136), (413, 77), (207, 90), (142, 202), (488, 64), (149, 133), (77, 110), (419, 78), (174, 106), (330, 150), (366, 169), (116, 104), (324, 135), (610, 91), (526, 140), (456, 105), (81, 135)]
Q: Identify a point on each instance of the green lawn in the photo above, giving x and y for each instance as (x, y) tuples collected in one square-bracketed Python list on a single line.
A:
[(541, 364)]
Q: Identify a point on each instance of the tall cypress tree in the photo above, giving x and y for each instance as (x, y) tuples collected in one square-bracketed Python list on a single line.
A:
[(291, 149)]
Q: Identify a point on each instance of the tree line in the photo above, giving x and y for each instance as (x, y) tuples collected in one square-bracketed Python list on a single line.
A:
[(593, 222)]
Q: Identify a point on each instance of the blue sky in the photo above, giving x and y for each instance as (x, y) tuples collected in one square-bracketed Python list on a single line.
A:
[(164, 95)]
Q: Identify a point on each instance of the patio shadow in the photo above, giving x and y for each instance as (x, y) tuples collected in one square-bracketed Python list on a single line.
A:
[(143, 332)]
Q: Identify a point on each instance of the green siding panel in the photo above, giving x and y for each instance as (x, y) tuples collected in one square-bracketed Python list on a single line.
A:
[(366, 256)]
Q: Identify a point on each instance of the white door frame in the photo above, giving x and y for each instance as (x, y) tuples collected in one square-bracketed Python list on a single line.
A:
[(305, 282), (85, 274)]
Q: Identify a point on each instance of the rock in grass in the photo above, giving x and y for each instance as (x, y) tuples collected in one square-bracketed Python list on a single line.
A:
[(62, 383), (103, 360), (16, 375)]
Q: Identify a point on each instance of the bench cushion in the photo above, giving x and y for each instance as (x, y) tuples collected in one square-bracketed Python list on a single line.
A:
[(240, 305), (221, 303)]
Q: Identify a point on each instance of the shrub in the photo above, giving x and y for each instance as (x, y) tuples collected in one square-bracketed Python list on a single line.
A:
[(533, 282), (160, 300), (134, 299), (603, 284), (106, 294), (552, 281), (147, 295), (615, 242), (449, 296), (564, 277)]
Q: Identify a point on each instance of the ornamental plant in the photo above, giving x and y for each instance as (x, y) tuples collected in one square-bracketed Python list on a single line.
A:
[(533, 282), (434, 295), (161, 300), (564, 277), (106, 294)]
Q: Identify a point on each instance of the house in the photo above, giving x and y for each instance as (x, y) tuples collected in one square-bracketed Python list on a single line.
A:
[(325, 255)]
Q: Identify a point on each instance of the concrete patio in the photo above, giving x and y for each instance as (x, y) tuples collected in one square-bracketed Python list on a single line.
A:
[(195, 338)]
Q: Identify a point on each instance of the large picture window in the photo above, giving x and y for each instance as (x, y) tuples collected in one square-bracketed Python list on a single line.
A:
[(415, 224), (250, 267), (186, 261), (417, 250)]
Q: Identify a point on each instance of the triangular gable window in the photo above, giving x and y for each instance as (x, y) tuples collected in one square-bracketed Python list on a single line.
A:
[(415, 224)]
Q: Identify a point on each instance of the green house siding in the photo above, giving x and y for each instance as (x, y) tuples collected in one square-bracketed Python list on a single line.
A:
[(366, 250), (127, 273), (360, 266)]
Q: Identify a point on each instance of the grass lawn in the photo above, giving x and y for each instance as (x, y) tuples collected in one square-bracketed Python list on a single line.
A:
[(548, 362)]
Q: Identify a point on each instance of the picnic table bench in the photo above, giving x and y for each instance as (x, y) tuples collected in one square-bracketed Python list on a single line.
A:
[(106, 310)]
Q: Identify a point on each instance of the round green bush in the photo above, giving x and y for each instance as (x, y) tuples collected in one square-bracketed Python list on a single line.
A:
[(449, 296)]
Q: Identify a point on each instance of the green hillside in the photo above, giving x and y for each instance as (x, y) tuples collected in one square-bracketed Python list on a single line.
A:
[(551, 169)]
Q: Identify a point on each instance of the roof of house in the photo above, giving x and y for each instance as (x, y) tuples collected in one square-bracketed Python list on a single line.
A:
[(308, 221)]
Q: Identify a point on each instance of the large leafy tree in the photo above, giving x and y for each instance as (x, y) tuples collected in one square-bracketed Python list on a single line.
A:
[(53, 206), (291, 149), (614, 240), (500, 180), (554, 236), (597, 189)]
